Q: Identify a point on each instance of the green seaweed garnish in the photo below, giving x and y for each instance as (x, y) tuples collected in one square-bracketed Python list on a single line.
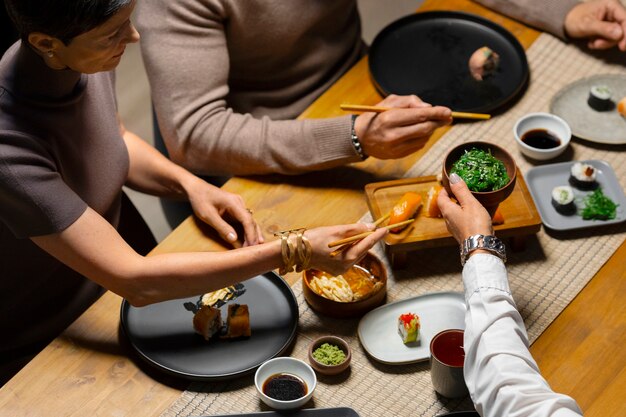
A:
[(598, 206), (481, 171)]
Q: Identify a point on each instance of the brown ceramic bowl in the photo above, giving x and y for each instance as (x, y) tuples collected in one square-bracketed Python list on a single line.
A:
[(330, 369), (339, 309), (489, 199)]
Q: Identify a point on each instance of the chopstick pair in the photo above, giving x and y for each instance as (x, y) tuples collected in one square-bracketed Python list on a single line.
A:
[(349, 241), (379, 109)]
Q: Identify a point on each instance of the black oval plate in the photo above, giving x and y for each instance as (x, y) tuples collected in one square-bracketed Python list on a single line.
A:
[(427, 54), (163, 334)]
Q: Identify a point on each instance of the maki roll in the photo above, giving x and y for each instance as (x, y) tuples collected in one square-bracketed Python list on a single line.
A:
[(563, 199), (409, 327), (207, 321), (583, 176), (600, 98)]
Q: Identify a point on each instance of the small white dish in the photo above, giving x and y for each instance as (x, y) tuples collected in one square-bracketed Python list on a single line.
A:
[(285, 365), (554, 125)]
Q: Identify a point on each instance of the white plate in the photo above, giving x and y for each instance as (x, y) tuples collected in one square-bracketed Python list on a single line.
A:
[(378, 329), (595, 126), (542, 179)]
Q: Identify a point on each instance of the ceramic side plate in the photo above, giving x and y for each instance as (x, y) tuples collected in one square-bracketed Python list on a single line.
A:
[(542, 179), (378, 329)]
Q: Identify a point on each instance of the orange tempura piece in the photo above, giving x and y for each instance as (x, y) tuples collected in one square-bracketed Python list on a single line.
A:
[(405, 209)]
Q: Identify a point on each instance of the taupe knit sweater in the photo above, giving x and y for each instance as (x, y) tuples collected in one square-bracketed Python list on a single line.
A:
[(228, 75)]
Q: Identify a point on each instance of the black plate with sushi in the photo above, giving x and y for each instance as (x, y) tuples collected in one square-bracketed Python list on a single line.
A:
[(577, 194), (429, 53), (163, 334)]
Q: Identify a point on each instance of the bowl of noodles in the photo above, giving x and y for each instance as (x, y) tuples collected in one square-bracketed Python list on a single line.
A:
[(352, 294)]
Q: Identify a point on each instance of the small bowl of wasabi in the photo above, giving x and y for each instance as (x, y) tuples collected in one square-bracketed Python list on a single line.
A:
[(329, 355)]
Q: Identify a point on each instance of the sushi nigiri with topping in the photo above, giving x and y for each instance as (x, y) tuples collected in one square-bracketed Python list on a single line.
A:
[(563, 199), (483, 63), (409, 327), (583, 176)]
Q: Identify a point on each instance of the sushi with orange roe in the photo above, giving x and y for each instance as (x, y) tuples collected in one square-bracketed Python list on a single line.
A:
[(409, 327)]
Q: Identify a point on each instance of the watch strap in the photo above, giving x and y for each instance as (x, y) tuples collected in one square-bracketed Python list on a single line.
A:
[(486, 242)]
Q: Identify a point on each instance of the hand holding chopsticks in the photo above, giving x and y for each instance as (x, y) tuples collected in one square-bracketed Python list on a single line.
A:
[(380, 109), (365, 234)]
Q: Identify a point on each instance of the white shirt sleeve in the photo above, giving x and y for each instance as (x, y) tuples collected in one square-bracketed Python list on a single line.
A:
[(502, 377)]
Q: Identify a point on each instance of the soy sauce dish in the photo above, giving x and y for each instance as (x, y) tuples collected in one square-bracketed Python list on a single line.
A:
[(285, 383), (542, 136)]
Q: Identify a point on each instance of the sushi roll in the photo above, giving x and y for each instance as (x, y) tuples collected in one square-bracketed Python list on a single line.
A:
[(207, 321), (563, 199), (583, 176), (237, 322), (483, 63), (600, 98), (409, 327)]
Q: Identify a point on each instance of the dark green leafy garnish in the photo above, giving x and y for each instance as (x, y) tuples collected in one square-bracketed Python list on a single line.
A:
[(481, 171), (598, 207)]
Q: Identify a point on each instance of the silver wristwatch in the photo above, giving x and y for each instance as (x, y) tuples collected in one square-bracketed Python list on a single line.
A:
[(489, 243)]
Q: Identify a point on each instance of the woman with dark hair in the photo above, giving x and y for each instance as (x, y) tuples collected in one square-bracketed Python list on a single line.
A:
[(64, 157)]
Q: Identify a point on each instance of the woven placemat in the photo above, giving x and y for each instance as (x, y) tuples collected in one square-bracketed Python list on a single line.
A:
[(544, 278)]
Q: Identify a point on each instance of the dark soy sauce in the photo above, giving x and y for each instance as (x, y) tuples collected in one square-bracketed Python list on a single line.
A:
[(540, 139), (284, 387)]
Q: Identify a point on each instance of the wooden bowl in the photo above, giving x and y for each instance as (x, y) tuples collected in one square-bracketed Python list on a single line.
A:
[(330, 369), (339, 309), (489, 199)]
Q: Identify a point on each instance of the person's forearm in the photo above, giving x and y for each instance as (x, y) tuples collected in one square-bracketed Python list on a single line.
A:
[(178, 275), (501, 375), (152, 173), (92, 247), (546, 15)]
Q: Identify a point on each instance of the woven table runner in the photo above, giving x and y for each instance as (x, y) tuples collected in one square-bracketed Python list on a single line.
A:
[(544, 278)]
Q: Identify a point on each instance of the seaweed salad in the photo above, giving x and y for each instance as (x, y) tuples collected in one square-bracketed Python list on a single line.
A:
[(480, 170), (598, 207)]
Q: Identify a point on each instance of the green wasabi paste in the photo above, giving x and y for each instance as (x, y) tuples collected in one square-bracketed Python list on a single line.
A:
[(328, 354), (481, 171)]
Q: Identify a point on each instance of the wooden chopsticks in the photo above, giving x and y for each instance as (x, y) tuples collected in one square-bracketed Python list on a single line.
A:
[(365, 234), (379, 109)]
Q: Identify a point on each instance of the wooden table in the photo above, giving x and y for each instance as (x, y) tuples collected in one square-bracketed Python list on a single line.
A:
[(87, 371)]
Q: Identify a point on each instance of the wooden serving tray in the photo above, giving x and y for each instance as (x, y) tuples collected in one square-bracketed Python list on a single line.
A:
[(520, 214)]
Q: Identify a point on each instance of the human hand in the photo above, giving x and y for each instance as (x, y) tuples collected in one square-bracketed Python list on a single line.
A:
[(320, 238), (468, 217), (402, 130), (602, 21), (216, 207)]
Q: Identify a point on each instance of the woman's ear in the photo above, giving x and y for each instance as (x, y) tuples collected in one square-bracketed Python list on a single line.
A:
[(44, 44)]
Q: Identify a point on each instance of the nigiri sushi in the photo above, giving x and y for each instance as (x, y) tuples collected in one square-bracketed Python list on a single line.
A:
[(432, 208), (621, 107), (409, 327), (405, 209), (483, 63), (498, 217)]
